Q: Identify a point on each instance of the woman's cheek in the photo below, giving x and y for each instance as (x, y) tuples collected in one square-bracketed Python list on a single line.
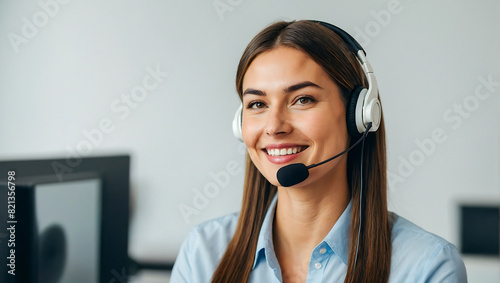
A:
[(250, 132)]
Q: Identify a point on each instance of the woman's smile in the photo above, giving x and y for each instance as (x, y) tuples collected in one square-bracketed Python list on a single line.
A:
[(283, 153)]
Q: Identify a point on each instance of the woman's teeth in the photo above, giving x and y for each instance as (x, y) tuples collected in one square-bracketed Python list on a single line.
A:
[(283, 151)]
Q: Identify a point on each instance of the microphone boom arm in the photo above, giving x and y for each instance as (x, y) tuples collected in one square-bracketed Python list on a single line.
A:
[(348, 149)]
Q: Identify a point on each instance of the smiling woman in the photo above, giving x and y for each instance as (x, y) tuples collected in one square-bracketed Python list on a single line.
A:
[(301, 84)]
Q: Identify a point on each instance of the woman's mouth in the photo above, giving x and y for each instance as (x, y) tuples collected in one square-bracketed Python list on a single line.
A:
[(284, 151)]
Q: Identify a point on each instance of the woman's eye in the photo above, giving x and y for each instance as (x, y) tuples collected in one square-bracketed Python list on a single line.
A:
[(256, 105), (305, 100)]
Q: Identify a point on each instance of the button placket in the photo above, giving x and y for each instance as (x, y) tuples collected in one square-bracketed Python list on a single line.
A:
[(321, 255)]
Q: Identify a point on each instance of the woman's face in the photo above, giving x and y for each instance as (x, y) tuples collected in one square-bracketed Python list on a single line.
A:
[(293, 113)]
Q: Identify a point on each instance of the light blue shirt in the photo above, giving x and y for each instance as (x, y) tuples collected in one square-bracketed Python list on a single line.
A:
[(417, 255)]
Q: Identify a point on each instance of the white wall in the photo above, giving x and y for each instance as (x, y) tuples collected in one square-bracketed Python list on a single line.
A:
[(75, 70)]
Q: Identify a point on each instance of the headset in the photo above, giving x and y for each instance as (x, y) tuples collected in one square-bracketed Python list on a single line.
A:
[(363, 106)]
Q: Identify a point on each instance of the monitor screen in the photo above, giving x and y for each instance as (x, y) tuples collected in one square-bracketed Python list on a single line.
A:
[(68, 218), (480, 230)]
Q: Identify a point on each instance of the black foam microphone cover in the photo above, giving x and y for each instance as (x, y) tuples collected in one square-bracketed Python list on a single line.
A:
[(292, 174)]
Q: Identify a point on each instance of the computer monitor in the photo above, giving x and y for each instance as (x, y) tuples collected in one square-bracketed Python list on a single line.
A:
[(64, 220), (480, 229)]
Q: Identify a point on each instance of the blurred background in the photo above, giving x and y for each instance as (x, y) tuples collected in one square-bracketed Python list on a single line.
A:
[(155, 80)]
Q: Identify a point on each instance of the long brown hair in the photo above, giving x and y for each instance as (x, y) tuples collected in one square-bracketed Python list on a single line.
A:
[(374, 256)]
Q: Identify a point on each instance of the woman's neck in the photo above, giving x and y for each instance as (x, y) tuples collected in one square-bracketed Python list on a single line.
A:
[(305, 215)]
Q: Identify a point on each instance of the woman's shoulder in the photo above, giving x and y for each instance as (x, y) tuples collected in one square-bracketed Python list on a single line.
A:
[(404, 230), (203, 248), (215, 231), (417, 253)]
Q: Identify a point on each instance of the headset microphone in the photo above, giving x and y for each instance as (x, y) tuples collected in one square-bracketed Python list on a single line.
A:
[(293, 174)]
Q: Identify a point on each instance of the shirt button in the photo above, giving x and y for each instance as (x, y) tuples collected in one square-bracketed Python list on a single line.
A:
[(322, 251), (317, 265)]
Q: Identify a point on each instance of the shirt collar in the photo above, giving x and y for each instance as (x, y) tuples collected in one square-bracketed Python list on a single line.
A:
[(265, 245), (339, 235), (337, 239)]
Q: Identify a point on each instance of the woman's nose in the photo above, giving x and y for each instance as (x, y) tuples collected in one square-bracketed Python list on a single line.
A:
[(277, 122)]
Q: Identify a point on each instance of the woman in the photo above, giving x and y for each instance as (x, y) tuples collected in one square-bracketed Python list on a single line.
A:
[(299, 82)]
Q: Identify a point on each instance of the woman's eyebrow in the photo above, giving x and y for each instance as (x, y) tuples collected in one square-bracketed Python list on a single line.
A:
[(288, 89), (254, 91), (301, 85)]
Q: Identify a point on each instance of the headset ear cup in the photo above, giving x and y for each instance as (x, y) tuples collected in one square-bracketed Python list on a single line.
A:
[(352, 129), (237, 124)]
